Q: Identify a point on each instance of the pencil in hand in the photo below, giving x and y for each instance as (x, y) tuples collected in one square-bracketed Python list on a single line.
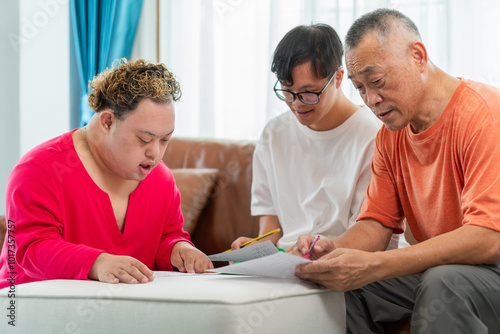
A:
[(311, 248), (258, 238)]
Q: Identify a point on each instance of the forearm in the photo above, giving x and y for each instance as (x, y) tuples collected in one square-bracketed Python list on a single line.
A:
[(268, 224), (367, 235), (56, 259), (470, 245)]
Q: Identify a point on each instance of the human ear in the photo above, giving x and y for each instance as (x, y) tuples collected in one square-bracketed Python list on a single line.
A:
[(106, 119), (418, 54), (339, 76)]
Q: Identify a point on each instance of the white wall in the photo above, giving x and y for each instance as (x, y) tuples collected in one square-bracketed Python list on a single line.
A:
[(35, 84), (9, 95), (44, 71)]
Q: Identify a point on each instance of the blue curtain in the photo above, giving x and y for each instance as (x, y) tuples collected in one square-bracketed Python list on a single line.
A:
[(103, 30)]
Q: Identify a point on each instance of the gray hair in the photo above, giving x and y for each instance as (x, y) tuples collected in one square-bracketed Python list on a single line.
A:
[(381, 21)]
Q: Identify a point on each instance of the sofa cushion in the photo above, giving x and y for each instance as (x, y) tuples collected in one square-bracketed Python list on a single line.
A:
[(196, 186)]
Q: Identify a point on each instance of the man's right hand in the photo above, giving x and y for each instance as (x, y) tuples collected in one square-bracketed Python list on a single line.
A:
[(115, 268), (322, 247)]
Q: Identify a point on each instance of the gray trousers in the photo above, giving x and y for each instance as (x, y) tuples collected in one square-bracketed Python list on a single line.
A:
[(445, 299)]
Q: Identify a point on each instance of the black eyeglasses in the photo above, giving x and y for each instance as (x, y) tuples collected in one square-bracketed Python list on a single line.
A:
[(304, 97)]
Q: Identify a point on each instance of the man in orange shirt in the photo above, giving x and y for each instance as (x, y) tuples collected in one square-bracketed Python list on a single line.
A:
[(436, 164)]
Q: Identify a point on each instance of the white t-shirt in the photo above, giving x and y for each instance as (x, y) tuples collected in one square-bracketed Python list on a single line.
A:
[(314, 181)]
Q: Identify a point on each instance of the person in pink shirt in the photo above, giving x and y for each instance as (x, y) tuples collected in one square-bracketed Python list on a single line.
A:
[(98, 202)]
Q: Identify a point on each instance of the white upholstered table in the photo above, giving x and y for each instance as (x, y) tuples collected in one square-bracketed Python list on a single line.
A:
[(178, 304)]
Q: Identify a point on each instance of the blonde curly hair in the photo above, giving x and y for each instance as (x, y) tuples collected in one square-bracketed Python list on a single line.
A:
[(123, 86)]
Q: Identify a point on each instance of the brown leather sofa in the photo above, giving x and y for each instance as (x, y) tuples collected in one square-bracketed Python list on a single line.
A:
[(226, 213)]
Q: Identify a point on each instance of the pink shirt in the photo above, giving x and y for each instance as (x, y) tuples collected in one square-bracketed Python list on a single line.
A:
[(59, 220)]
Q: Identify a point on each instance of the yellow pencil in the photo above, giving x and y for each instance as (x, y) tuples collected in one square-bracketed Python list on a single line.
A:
[(258, 238)]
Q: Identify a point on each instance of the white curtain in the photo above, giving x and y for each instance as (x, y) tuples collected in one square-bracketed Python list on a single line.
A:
[(221, 50)]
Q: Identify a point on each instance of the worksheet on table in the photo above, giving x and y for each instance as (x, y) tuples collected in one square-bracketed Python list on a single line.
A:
[(280, 265), (247, 253)]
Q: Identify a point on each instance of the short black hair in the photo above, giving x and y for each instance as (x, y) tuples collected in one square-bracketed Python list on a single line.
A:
[(379, 21), (316, 43)]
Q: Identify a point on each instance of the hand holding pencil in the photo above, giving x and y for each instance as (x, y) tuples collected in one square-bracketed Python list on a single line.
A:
[(311, 247), (252, 240)]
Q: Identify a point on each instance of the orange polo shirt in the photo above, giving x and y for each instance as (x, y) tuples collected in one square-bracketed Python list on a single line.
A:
[(444, 177)]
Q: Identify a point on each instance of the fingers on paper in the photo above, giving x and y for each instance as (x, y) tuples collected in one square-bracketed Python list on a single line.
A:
[(189, 259), (114, 268)]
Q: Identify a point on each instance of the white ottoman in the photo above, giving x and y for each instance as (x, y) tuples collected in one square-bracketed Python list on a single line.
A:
[(204, 303)]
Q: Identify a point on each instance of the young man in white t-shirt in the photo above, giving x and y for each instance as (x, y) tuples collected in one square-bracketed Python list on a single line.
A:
[(311, 166)]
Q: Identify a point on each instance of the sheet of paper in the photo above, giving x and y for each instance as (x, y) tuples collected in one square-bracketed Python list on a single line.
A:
[(174, 273), (247, 253), (280, 264)]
